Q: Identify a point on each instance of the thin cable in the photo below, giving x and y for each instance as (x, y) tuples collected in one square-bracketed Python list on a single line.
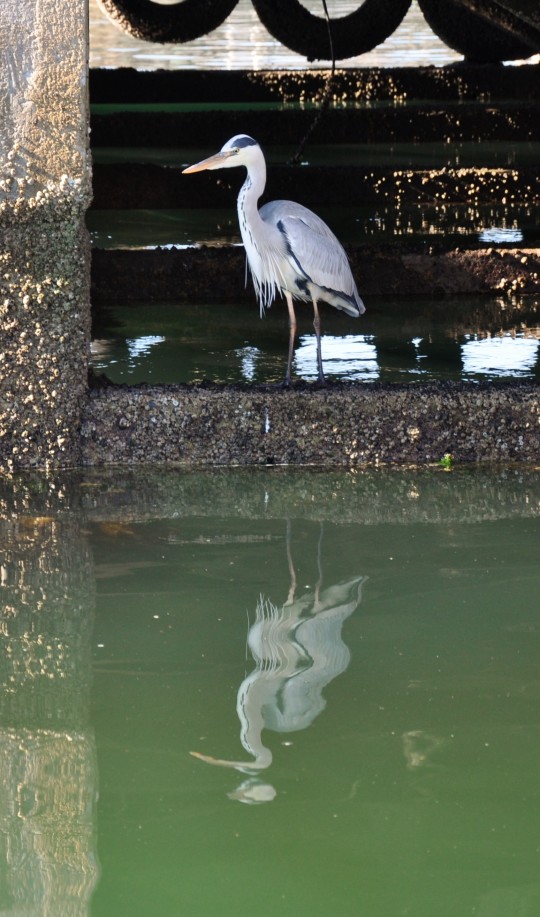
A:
[(327, 94)]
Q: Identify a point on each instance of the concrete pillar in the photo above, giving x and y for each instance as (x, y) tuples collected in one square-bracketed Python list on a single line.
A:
[(45, 188), (48, 761)]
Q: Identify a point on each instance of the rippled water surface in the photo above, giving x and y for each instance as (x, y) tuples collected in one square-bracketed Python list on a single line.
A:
[(352, 657)]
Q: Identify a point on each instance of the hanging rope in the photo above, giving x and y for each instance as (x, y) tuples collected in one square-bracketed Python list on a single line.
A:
[(327, 94)]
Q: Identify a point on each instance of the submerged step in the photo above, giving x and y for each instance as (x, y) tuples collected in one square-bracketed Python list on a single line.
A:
[(433, 155), (217, 274)]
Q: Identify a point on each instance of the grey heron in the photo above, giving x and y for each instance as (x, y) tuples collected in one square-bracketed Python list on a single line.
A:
[(289, 249)]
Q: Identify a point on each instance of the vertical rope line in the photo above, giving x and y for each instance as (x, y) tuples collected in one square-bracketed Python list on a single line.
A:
[(327, 94)]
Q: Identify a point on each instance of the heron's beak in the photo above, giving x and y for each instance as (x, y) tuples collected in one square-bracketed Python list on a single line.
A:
[(216, 161)]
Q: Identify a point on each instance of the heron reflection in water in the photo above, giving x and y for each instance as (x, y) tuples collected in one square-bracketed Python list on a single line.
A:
[(297, 650)]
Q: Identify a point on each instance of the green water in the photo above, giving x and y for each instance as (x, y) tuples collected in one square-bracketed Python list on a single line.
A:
[(370, 640), (399, 340)]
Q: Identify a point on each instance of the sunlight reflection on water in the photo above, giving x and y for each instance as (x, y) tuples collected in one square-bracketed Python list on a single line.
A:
[(353, 356), (500, 356), (497, 234)]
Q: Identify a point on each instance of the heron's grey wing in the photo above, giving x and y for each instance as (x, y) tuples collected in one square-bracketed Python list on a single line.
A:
[(313, 245)]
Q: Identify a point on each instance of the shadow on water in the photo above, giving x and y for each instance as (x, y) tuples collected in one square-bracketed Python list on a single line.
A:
[(376, 634)]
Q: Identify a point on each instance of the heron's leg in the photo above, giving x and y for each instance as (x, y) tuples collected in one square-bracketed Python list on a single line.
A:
[(318, 585), (292, 572), (317, 326), (292, 335)]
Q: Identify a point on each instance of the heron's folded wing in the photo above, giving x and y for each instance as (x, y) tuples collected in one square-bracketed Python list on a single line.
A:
[(317, 251)]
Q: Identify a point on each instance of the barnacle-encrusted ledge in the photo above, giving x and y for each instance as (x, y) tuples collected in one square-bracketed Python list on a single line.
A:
[(340, 425)]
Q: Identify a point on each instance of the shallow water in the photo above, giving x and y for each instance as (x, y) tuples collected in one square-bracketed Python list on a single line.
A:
[(363, 645), (395, 341)]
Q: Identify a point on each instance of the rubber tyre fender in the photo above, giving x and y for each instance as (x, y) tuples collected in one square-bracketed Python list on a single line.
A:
[(470, 34), (183, 21), (360, 31)]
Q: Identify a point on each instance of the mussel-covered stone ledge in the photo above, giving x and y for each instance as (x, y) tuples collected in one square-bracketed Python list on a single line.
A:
[(344, 424)]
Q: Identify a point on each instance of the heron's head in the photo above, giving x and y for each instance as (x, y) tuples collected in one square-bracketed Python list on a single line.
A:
[(240, 150)]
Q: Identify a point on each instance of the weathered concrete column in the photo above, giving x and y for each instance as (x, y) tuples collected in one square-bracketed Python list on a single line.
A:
[(44, 248), (48, 762)]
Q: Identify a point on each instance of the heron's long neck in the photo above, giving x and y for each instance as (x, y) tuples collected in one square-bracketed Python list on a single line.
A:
[(250, 192)]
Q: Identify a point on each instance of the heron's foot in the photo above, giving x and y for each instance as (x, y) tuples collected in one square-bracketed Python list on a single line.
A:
[(285, 383)]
